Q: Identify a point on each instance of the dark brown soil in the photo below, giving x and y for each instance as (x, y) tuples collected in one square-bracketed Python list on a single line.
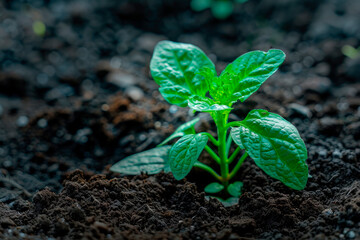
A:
[(81, 97)]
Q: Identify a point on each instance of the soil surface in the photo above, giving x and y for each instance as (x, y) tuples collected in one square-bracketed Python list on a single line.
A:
[(76, 96)]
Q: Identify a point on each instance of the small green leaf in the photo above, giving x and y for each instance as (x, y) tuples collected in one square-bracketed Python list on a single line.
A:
[(235, 132), (39, 28), (200, 5), (227, 203), (245, 75), (204, 104), (214, 187), (276, 147), (175, 67), (350, 51), (231, 201), (184, 154), (186, 128), (234, 189), (151, 161)]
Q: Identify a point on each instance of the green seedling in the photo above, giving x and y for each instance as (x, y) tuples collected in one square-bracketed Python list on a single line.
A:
[(221, 9), (188, 78), (350, 51)]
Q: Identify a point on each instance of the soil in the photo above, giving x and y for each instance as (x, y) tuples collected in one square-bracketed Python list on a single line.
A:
[(78, 97)]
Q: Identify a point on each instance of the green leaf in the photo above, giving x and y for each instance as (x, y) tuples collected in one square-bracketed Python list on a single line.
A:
[(204, 104), (245, 75), (151, 161), (227, 203), (200, 5), (276, 147), (175, 67), (222, 9), (235, 132), (231, 201), (234, 189), (186, 128), (184, 154), (214, 187)]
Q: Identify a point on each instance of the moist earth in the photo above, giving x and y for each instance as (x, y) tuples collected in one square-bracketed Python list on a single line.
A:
[(77, 97)]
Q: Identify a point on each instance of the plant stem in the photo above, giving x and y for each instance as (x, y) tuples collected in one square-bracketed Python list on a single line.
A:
[(221, 122), (212, 154), (233, 124), (228, 144), (208, 169), (234, 154), (238, 165), (212, 139)]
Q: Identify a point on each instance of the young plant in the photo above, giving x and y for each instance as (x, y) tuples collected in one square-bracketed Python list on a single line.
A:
[(350, 51), (221, 9), (188, 78)]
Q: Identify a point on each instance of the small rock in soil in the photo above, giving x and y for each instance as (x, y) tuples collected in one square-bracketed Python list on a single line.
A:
[(351, 234), (327, 212), (135, 93), (318, 85), (22, 121), (81, 135), (299, 110), (323, 153), (337, 154), (42, 123), (354, 129), (121, 79), (148, 41), (330, 126), (59, 92)]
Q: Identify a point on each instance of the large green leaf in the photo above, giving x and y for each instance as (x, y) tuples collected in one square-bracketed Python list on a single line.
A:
[(184, 154), (276, 147), (186, 128), (245, 75), (151, 161), (204, 104), (235, 133), (174, 66)]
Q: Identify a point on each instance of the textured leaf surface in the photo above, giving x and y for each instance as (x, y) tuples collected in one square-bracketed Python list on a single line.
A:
[(245, 75), (174, 66), (214, 187), (276, 147), (182, 130), (184, 154), (235, 135), (204, 104), (234, 189), (151, 161)]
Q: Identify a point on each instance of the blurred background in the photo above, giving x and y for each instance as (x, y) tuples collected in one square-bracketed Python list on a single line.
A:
[(75, 89)]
